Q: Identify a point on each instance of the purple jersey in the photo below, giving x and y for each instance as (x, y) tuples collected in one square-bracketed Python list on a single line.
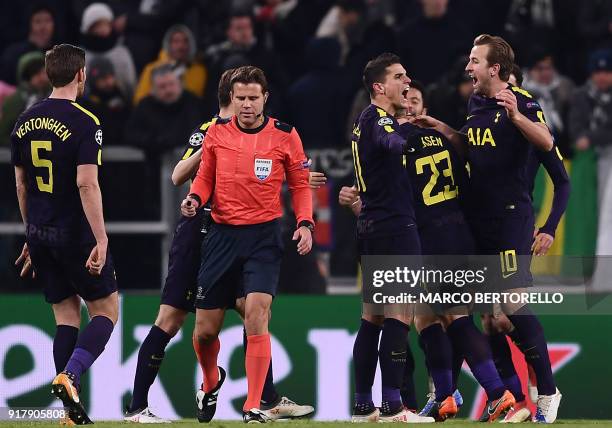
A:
[(384, 187), (49, 141), (436, 173), (498, 156)]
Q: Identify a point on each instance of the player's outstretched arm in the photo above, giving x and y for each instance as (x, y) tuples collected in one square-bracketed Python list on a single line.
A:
[(186, 169), (455, 137), (91, 199)]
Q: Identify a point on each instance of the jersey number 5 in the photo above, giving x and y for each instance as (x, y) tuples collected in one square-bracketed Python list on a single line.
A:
[(37, 146), (450, 190)]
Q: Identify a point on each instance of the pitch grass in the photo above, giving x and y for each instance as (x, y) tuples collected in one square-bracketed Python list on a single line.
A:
[(191, 423)]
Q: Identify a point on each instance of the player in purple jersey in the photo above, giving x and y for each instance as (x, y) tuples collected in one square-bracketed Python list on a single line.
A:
[(385, 226), (436, 173), (505, 125), (179, 292), (56, 150), (498, 326)]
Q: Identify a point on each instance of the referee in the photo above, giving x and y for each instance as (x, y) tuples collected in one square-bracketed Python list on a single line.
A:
[(245, 160)]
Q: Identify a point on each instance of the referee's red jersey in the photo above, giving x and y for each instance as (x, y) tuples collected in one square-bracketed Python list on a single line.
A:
[(244, 170)]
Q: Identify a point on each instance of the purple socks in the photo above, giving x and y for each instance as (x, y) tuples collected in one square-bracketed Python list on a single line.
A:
[(502, 357), (470, 342), (89, 346), (365, 358), (392, 356), (150, 357), (533, 345), (438, 354)]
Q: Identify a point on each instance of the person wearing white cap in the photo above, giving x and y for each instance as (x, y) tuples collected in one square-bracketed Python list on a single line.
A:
[(99, 39)]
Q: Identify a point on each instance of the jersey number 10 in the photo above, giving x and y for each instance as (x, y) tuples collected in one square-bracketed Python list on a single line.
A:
[(37, 146)]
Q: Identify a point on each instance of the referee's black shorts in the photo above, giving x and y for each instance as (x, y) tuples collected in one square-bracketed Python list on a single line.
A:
[(236, 261)]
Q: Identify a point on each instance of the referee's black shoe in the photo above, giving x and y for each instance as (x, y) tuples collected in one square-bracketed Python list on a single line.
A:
[(206, 402), (254, 416)]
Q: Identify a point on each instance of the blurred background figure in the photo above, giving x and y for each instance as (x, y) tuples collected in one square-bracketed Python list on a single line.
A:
[(33, 86), (553, 92), (590, 118), (241, 47), (447, 99), (164, 119), (178, 49), (40, 38), (431, 41), (99, 39), (319, 90), (104, 99)]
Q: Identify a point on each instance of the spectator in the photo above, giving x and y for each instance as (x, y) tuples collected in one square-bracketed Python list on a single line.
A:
[(595, 23), (318, 91), (144, 23), (179, 49), (164, 119), (40, 38), (554, 94), (447, 99), (242, 47), (442, 40), (342, 22), (294, 25), (105, 100), (33, 87), (551, 23), (100, 39), (6, 91), (591, 114)]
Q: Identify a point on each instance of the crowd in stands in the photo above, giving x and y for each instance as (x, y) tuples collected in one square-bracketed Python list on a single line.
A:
[(153, 65)]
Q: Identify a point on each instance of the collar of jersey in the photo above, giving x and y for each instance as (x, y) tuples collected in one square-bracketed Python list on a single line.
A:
[(253, 130)]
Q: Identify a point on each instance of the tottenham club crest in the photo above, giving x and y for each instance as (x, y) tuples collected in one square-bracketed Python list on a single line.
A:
[(263, 168), (196, 139), (98, 137)]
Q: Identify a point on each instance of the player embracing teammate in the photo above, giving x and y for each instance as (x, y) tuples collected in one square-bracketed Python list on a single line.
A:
[(504, 133), (504, 130)]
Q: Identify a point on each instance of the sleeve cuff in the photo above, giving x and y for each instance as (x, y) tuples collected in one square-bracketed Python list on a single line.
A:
[(307, 224), (197, 198)]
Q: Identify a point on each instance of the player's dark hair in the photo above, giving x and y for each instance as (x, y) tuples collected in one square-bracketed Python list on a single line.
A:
[(500, 52), (249, 74), (376, 70), (62, 62), (224, 92), (415, 84), (518, 74)]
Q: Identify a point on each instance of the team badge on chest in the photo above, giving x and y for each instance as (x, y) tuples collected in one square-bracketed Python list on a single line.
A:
[(263, 168)]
